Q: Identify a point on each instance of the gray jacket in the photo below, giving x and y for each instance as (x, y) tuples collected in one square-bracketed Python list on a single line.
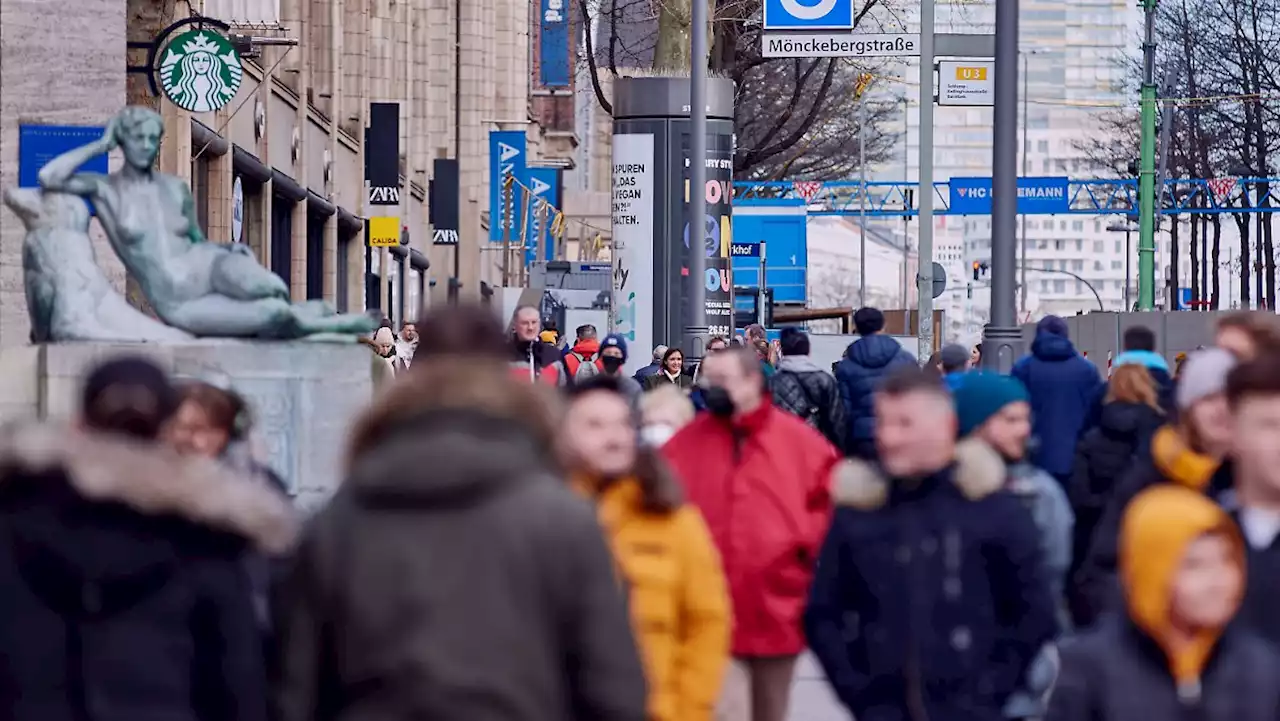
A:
[(1052, 514)]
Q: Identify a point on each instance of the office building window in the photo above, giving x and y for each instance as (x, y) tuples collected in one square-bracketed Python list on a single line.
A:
[(1059, 286), (1079, 245), (1057, 245), (1119, 247), (1079, 288), (1099, 246)]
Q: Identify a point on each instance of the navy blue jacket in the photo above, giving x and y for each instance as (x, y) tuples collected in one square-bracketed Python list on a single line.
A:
[(1062, 385), (933, 594), (645, 372), (865, 362)]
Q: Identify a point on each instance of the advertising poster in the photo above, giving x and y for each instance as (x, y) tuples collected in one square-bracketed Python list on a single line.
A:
[(554, 52), (711, 236), (632, 201), (508, 157)]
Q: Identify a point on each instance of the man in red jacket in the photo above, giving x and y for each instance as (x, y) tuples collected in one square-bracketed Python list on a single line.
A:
[(759, 476)]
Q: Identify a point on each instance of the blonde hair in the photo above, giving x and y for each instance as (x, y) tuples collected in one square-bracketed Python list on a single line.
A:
[(668, 399), (1133, 384)]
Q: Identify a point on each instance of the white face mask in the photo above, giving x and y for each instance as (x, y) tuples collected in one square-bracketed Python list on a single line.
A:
[(656, 435)]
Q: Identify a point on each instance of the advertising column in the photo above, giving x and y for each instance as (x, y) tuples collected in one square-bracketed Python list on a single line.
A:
[(713, 235)]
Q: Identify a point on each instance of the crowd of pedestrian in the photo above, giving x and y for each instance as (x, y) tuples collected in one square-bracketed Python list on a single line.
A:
[(527, 532)]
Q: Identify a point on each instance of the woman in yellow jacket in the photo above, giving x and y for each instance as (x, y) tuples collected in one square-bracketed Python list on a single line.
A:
[(665, 556)]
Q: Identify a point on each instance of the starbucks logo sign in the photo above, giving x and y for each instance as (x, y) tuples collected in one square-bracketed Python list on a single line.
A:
[(200, 71)]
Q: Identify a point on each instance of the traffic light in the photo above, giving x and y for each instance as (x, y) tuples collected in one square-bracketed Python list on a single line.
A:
[(976, 269)]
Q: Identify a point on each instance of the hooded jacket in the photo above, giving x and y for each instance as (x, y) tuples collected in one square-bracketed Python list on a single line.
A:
[(1062, 385), (678, 599), (930, 599), (455, 575), (1129, 669), (1168, 460), (805, 390), (582, 353), (761, 481), (125, 593), (865, 362)]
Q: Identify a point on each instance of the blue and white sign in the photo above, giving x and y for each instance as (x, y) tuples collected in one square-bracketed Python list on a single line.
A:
[(554, 53), (508, 154), (1036, 196), (808, 14), (744, 250), (544, 184)]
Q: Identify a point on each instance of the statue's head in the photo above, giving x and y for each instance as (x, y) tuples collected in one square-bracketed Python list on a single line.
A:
[(138, 133)]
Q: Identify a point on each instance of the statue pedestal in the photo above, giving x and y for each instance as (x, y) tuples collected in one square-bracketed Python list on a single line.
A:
[(304, 394)]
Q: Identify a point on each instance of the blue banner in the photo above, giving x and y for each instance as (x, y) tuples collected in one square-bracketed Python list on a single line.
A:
[(544, 184), (38, 144), (554, 55), (508, 154), (1036, 196), (808, 15)]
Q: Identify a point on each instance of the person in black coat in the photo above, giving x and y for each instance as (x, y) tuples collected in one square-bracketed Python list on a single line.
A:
[(1172, 652), (865, 363), (1106, 453), (930, 598), (125, 596), (802, 388)]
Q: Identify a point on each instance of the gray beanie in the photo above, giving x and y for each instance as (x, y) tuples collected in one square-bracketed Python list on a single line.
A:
[(1203, 375)]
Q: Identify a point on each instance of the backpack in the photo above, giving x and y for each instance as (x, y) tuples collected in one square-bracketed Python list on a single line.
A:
[(813, 416), (572, 363)]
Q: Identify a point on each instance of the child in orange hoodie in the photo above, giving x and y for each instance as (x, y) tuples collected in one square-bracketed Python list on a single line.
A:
[(1172, 655)]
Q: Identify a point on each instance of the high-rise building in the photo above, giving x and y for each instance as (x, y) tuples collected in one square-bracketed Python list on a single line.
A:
[(1072, 56)]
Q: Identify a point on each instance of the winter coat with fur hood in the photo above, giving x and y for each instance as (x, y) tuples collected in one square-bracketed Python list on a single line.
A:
[(930, 599), (125, 593), (455, 575)]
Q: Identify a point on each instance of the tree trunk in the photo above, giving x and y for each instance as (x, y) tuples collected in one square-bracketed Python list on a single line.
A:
[(1257, 262), (1214, 261), (671, 52), (1193, 249), (1175, 295), (1242, 223), (1268, 255)]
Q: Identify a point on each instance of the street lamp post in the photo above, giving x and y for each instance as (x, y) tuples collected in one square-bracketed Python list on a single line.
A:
[(695, 332), (1003, 338)]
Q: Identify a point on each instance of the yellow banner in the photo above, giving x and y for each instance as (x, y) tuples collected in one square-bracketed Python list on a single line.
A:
[(384, 232)]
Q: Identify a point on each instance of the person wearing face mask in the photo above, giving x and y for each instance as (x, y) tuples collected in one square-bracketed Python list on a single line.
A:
[(1186, 452), (679, 607), (759, 475), (663, 412), (609, 361)]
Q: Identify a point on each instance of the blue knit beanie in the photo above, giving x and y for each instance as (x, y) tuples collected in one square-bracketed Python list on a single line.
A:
[(615, 340), (983, 394)]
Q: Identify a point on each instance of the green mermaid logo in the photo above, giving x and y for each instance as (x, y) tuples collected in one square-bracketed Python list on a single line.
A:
[(200, 71)]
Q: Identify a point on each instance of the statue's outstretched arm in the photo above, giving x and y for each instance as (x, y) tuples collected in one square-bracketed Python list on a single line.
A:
[(60, 174)]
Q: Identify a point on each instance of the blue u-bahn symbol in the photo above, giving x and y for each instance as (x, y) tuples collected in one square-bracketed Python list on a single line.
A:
[(808, 14)]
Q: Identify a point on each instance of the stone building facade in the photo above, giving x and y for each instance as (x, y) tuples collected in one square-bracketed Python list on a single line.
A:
[(292, 138)]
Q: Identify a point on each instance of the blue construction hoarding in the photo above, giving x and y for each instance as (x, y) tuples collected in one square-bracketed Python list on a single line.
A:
[(554, 55), (786, 247), (1036, 196), (508, 157)]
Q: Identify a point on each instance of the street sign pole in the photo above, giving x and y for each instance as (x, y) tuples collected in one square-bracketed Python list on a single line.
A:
[(1147, 169), (862, 199), (924, 332), (1002, 335), (763, 299)]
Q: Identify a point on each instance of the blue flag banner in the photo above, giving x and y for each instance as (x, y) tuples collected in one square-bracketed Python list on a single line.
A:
[(508, 155), (554, 53), (544, 185)]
